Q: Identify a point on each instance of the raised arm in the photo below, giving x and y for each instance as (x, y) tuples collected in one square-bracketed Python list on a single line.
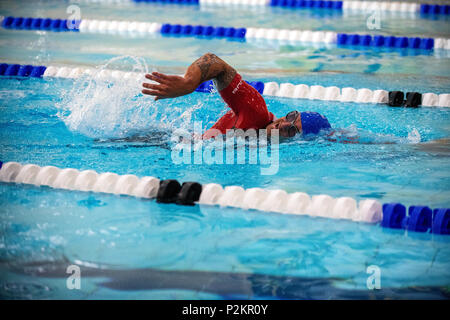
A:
[(207, 67)]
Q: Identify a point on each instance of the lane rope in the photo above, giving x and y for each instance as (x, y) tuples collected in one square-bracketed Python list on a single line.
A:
[(284, 90), (385, 6), (390, 215), (231, 33)]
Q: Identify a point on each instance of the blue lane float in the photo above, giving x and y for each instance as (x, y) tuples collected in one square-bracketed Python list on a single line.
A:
[(385, 41), (12, 70), (314, 4), (199, 30), (418, 219), (208, 86), (22, 70), (434, 9), (393, 215), (56, 25), (25, 71), (441, 221)]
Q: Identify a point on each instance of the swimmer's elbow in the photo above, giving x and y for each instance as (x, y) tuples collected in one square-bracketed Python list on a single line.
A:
[(210, 55), (210, 67)]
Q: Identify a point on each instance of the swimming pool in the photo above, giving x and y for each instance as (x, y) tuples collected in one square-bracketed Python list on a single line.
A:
[(140, 249)]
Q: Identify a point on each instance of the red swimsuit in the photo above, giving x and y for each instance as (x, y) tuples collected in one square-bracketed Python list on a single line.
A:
[(248, 109)]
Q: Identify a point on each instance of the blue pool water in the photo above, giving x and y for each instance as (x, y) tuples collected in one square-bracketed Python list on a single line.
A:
[(139, 249)]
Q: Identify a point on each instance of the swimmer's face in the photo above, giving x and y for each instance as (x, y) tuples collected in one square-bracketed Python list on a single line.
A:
[(288, 125)]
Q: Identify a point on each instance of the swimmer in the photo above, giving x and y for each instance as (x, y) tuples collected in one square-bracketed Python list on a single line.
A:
[(248, 108)]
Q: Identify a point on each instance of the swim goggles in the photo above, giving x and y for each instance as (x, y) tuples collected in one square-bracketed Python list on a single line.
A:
[(291, 117)]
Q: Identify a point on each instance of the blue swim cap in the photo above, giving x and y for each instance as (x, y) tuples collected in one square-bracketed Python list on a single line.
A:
[(313, 122)]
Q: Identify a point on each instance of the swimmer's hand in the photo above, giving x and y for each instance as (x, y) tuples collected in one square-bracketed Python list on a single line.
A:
[(167, 86)]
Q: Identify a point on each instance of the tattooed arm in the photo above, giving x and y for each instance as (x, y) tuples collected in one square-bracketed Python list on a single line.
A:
[(207, 67)]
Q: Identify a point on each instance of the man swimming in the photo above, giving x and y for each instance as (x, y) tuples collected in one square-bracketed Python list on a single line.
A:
[(248, 108)]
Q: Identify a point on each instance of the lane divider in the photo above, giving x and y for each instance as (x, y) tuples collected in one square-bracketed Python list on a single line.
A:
[(348, 94), (419, 218), (284, 90), (387, 6), (209, 32), (169, 1), (72, 179)]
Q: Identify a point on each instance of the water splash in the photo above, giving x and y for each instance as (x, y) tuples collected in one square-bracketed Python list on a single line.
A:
[(116, 108)]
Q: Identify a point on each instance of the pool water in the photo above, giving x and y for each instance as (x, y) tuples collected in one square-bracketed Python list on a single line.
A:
[(140, 249)]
